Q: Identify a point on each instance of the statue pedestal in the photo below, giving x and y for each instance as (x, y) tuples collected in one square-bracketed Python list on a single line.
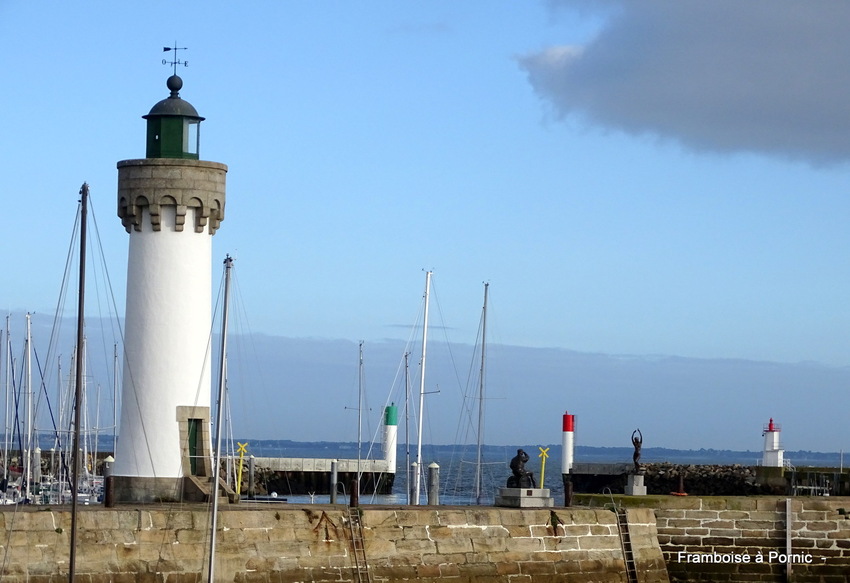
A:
[(635, 486), (524, 498)]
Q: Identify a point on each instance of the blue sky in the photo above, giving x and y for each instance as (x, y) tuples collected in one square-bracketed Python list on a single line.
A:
[(631, 178)]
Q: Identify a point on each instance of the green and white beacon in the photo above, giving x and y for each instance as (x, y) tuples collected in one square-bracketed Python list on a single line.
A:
[(390, 441)]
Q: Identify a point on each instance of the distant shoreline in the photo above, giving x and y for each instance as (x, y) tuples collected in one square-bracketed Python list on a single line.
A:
[(583, 453), (493, 453)]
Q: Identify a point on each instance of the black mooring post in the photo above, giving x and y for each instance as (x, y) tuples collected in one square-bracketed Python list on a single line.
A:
[(568, 491), (355, 493)]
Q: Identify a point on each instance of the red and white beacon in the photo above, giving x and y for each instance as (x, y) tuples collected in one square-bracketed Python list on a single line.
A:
[(773, 453), (568, 443)]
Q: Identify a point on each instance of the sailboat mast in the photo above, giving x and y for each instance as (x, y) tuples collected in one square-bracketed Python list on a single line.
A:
[(28, 396), (84, 415), (407, 423), (228, 265), (114, 396), (418, 478), (478, 464), (7, 361), (75, 466), (359, 413), (58, 438)]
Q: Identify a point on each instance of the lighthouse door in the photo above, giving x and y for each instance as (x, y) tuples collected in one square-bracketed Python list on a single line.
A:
[(194, 429)]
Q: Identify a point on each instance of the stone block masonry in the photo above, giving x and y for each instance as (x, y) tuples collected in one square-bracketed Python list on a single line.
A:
[(283, 543), (733, 539), (158, 183)]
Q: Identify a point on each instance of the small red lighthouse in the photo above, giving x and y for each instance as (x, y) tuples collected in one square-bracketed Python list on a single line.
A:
[(773, 453)]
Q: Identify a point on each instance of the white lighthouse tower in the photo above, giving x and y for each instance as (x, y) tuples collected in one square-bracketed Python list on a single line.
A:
[(171, 203), (773, 453)]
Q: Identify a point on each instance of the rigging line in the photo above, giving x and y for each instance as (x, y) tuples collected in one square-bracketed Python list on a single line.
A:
[(389, 398), (377, 434), (67, 409), (10, 370), (219, 300), (239, 320), (7, 385), (208, 352), (63, 294), (400, 391), (104, 271), (403, 397), (230, 450), (209, 544), (63, 288), (464, 430), (467, 399), (57, 321), (112, 363), (47, 398), (127, 368), (42, 392), (116, 323), (128, 371), (246, 347), (395, 388), (444, 328), (400, 369), (416, 329), (16, 392), (211, 517), (368, 410), (378, 429), (8, 546), (98, 304), (220, 408), (476, 359)]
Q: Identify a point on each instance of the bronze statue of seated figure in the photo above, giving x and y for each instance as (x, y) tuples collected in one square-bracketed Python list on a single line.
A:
[(521, 477)]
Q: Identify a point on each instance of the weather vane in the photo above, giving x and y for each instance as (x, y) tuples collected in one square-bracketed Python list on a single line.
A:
[(176, 61)]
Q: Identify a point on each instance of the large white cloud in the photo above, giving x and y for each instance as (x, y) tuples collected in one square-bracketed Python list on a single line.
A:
[(769, 76)]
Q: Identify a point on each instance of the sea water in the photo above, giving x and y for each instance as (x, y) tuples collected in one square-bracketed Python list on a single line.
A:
[(458, 469)]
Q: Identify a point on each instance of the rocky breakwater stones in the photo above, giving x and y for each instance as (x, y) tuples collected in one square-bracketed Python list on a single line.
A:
[(704, 480)]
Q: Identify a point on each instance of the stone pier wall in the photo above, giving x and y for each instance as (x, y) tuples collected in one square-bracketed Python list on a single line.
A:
[(745, 531), (287, 544), (733, 539)]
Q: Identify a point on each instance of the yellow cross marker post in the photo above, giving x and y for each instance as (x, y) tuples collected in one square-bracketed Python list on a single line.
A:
[(243, 449), (544, 453)]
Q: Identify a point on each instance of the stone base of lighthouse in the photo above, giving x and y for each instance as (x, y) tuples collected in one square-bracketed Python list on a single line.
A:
[(140, 490), (196, 463), (147, 490)]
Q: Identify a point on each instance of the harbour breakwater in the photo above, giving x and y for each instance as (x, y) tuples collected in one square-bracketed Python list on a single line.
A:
[(287, 544), (711, 480), (714, 480)]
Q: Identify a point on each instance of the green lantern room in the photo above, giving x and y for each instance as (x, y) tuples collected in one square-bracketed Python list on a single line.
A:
[(173, 126)]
